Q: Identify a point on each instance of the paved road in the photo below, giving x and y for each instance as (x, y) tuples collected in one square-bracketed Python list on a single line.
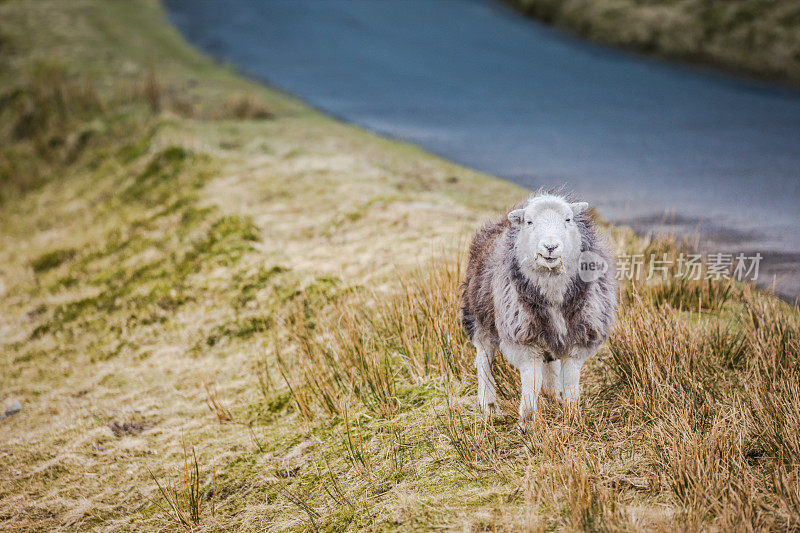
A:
[(474, 82)]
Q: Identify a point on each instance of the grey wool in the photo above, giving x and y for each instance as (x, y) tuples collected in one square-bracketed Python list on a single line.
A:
[(524, 294)]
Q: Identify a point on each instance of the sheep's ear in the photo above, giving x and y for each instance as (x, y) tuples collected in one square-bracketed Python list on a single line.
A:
[(578, 208), (516, 216)]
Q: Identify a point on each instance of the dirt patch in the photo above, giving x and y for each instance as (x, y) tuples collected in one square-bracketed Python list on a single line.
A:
[(121, 429)]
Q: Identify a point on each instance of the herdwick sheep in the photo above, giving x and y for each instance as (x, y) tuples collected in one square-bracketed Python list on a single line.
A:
[(540, 286)]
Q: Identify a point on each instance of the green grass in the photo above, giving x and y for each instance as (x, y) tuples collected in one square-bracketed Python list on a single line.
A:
[(752, 37), (222, 310)]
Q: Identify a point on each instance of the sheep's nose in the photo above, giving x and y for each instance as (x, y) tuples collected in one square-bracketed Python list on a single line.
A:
[(551, 247)]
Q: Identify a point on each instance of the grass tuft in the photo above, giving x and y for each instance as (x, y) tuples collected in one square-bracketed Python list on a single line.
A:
[(684, 294), (216, 407), (40, 125), (244, 107), (52, 259), (183, 495)]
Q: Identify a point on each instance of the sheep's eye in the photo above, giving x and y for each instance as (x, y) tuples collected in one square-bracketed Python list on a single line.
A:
[(569, 220), (529, 222)]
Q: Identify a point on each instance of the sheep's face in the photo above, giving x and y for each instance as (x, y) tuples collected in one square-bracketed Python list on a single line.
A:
[(548, 237)]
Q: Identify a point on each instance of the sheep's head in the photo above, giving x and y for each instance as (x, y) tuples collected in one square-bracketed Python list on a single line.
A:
[(548, 236)]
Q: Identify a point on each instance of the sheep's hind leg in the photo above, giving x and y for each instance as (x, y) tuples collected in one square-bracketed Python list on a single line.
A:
[(484, 354), (552, 379), (530, 374), (571, 374)]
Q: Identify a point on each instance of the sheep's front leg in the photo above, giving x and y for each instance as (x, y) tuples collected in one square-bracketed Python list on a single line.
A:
[(530, 364), (484, 353), (571, 373), (552, 379)]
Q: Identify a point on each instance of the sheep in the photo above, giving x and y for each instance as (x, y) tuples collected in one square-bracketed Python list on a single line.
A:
[(540, 286)]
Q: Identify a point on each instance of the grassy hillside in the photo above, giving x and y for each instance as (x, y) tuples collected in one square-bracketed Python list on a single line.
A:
[(222, 310), (753, 37)]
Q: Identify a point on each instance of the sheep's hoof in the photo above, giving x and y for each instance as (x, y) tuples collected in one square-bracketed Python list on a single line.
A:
[(489, 408), (554, 394), (487, 399), (527, 407), (524, 426), (527, 414), (571, 397)]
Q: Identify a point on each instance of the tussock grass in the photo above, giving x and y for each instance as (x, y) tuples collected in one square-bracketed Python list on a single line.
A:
[(183, 495), (356, 349), (686, 294), (215, 405), (677, 287), (375, 348), (47, 99), (698, 409), (50, 260), (714, 394), (45, 121), (243, 107)]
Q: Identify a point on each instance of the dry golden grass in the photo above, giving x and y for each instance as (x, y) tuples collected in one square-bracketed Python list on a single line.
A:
[(244, 106), (215, 322), (693, 414)]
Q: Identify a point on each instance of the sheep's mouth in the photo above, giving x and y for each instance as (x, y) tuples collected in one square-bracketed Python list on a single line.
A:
[(550, 263)]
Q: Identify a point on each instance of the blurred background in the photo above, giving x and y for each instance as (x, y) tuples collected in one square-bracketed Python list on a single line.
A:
[(707, 147)]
